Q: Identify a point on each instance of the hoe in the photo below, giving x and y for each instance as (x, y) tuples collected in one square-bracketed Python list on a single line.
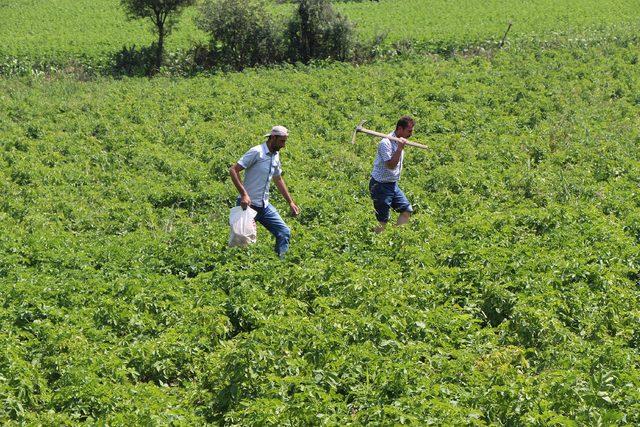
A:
[(359, 128)]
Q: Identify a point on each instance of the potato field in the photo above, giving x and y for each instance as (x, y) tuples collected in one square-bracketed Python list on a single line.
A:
[(512, 298)]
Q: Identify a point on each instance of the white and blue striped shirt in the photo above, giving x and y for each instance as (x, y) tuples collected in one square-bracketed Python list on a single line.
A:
[(260, 166), (381, 172)]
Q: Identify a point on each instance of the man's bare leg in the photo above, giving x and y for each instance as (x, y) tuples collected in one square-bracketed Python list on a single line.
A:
[(380, 227), (403, 218)]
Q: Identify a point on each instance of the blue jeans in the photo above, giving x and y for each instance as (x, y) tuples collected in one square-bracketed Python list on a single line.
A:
[(387, 195), (270, 218)]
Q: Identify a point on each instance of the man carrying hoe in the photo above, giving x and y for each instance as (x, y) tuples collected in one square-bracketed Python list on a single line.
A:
[(387, 166), (261, 164)]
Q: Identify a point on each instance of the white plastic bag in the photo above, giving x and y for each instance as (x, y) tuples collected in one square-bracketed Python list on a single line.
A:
[(243, 226)]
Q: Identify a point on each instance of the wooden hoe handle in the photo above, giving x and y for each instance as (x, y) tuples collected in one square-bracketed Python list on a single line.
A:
[(393, 138), (359, 128)]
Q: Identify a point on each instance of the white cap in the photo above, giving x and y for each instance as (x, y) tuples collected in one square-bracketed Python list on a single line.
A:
[(278, 131)]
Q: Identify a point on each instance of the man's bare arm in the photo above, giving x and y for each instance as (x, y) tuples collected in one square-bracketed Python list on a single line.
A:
[(234, 172), (393, 161), (282, 188)]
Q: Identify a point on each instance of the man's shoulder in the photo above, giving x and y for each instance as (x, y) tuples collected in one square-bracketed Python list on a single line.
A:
[(386, 138), (252, 155), (256, 149), (385, 142)]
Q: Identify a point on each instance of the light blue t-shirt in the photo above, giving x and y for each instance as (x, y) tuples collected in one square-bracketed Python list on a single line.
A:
[(260, 166), (381, 172)]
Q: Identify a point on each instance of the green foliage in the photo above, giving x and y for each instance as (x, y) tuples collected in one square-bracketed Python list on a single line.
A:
[(162, 13), (156, 10), (445, 26), (82, 36), (243, 33), (316, 31), (131, 61), (511, 299), (78, 33)]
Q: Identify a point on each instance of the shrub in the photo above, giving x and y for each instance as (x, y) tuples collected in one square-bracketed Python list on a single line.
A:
[(133, 61), (316, 31), (242, 33)]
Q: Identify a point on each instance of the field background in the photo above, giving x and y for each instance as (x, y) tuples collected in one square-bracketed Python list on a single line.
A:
[(92, 30), (512, 298)]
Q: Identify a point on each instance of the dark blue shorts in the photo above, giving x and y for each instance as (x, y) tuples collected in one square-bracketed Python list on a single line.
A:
[(387, 195)]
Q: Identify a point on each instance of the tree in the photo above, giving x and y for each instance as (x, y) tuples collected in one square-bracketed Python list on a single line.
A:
[(163, 14)]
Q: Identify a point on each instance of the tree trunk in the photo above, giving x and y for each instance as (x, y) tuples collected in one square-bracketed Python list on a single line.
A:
[(160, 49), (305, 33)]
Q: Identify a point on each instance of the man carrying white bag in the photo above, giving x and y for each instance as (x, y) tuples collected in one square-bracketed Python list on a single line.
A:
[(261, 164)]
